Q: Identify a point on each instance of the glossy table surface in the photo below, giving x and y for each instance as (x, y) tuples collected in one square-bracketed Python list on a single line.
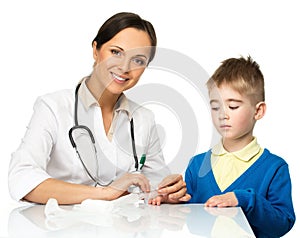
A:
[(139, 220)]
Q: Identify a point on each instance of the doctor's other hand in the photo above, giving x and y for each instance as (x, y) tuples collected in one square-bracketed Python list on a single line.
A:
[(172, 189), (120, 186)]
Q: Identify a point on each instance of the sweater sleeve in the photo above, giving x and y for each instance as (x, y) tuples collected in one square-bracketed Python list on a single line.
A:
[(271, 210), (189, 183)]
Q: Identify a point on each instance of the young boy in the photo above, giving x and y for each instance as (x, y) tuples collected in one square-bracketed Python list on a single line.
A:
[(237, 171)]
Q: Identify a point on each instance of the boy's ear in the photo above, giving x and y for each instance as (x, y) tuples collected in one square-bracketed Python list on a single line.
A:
[(261, 108)]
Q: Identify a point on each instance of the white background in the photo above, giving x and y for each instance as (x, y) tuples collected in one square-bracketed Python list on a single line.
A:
[(46, 46)]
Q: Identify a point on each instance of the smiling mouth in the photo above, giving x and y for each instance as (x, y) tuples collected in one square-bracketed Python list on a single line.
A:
[(118, 78)]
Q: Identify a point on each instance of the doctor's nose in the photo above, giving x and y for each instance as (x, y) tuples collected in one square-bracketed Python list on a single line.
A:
[(124, 65)]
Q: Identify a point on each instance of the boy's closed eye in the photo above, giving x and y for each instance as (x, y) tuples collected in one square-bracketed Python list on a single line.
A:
[(233, 107), (214, 106)]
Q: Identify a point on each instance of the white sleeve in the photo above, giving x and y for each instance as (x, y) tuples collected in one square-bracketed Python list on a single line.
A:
[(28, 164)]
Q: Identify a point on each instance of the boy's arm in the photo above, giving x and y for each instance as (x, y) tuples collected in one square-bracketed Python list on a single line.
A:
[(275, 215)]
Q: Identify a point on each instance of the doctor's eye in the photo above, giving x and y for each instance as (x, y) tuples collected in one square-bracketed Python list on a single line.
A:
[(139, 61), (116, 52)]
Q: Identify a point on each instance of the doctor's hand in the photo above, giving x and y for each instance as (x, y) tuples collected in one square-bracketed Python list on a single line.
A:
[(172, 189), (120, 186)]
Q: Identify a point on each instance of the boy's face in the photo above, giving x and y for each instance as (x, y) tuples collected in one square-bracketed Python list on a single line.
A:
[(233, 114)]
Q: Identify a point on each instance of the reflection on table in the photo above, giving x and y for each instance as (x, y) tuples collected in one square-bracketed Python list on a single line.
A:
[(189, 220)]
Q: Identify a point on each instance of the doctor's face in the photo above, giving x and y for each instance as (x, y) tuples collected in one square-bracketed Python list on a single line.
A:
[(121, 61)]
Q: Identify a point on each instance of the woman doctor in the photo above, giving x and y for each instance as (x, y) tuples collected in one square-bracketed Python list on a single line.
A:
[(126, 151)]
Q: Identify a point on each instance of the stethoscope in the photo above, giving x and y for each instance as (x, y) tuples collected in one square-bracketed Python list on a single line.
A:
[(89, 132)]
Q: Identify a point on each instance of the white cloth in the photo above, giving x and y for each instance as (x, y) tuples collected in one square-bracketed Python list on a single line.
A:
[(98, 212), (46, 151)]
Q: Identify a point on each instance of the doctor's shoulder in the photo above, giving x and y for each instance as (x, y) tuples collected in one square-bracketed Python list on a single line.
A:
[(58, 101)]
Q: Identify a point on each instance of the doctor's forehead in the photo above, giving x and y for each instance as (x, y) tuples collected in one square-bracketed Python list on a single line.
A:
[(130, 38)]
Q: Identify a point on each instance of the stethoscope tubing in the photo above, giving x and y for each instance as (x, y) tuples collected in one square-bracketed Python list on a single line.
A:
[(77, 126)]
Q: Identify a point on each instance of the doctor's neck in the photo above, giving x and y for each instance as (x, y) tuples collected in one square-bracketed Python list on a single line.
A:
[(105, 98)]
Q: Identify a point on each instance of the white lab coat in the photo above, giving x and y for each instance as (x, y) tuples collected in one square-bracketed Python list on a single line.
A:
[(46, 151)]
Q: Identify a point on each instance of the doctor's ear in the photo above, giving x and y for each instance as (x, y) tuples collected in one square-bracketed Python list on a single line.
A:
[(261, 108), (95, 50)]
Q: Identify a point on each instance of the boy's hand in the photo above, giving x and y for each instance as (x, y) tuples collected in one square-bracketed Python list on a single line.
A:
[(225, 200)]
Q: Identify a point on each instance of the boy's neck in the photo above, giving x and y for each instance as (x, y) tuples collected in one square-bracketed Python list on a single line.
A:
[(232, 145)]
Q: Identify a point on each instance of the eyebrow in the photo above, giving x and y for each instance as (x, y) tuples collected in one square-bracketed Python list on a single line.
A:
[(227, 100), (213, 100), (234, 100), (120, 48)]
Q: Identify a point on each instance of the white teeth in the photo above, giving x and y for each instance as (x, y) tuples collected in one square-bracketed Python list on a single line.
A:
[(118, 77)]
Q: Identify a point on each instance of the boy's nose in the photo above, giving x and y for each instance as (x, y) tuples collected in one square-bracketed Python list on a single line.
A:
[(223, 114)]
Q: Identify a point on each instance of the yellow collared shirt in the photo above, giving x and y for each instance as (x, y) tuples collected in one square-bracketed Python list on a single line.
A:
[(228, 166)]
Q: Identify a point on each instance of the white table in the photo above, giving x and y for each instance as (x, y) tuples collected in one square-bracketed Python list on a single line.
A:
[(189, 220)]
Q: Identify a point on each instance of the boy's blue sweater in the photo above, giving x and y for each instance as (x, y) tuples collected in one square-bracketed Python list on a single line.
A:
[(263, 192)]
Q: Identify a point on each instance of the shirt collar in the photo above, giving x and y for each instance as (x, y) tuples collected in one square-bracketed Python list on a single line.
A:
[(245, 154), (85, 95), (89, 100)]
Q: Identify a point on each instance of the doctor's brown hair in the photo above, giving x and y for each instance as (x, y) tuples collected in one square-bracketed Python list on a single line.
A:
[(121, 21)]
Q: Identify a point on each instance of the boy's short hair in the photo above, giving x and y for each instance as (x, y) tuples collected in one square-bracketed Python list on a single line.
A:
[(243, 75)]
